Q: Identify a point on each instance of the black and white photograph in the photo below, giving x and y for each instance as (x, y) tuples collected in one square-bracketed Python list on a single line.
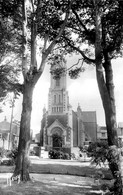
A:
[(61, 97)]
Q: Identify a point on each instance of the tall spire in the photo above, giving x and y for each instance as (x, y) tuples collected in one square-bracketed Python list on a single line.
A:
[(58, 96)]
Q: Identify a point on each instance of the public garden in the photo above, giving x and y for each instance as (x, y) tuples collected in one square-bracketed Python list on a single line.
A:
[(33, 35), (55, 176)]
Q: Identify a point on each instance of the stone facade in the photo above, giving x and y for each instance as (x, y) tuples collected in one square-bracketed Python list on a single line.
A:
[(74, 128)]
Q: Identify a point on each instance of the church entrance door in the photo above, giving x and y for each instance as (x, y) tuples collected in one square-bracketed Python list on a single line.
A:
[(57, 141)]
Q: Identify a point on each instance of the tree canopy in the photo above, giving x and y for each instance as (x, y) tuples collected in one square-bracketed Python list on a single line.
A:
[(80, 33), (10, 50)]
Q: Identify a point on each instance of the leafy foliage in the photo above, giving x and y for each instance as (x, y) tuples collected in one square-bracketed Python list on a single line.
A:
[(75, 73), (10, 50), (50, 17), (98, 151), (57, 62), (57, 73), (8, 80), (80, 29), (10, 40), (11, 155), (58, 66), (55, 154), (9, 7), (113, 154)]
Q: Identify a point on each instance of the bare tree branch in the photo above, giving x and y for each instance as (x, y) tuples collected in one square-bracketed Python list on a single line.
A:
[(80, 51), (76, 64), (80, 21)]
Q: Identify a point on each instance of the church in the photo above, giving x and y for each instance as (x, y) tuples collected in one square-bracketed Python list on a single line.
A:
[(62, 127)]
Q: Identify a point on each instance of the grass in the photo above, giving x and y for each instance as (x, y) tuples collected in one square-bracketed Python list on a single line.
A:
[(39, 188), (53, 187), (66, 179), (86, 171)]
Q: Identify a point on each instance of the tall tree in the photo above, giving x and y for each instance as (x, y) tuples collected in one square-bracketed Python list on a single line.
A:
[(106, 88), (97, 26), (42, 24)]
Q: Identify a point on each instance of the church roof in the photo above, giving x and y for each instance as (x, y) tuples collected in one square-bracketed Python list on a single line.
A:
[(89, 116), (63, 119)]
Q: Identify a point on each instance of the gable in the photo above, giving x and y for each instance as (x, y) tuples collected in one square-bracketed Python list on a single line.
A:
[(54, 125), (63, 119)]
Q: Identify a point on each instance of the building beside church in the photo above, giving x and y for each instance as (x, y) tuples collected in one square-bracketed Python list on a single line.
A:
[(5, 130), (101, 133), (61, 127)]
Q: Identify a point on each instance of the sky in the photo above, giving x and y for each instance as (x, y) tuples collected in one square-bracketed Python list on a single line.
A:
[(83, 90)]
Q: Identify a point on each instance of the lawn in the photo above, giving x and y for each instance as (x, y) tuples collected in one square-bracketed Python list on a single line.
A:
[(40, 188), (54, 185), (56, 179)]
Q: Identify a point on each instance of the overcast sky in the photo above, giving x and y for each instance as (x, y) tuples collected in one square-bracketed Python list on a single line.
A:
[(83, 90)]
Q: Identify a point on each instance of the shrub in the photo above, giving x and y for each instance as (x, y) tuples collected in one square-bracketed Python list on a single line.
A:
[(12, 154), (56, 154), (53, 154), (9, 155), (66, 156), (98, 151)]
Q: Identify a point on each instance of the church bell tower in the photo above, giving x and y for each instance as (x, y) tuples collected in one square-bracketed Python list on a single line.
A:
[(58, 100)]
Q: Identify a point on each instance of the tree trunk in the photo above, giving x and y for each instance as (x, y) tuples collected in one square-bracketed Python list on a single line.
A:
[(106, 90), (31, 74), (111, 116), (109, 107), (113, 156), (23, 163)]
